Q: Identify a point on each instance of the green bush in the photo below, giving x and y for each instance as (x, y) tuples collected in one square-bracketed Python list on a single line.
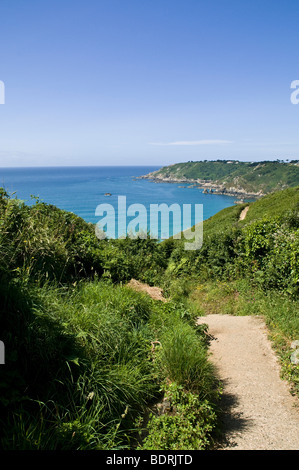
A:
[(41, 242), (188, 424)]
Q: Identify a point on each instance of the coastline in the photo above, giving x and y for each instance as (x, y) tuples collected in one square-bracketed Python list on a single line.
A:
[(208, 186)]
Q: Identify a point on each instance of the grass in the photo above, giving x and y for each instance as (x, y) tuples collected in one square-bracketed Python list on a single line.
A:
[(276, 205), (82, 360), (86, 367), (183, 355), (92, 342), (223, 221), (87, 357), (240, 297)]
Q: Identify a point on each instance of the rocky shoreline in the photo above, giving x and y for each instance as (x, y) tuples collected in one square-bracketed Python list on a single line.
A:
[(208, 186)]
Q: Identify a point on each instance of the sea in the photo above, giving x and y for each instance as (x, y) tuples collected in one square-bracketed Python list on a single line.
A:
[(83, 190)]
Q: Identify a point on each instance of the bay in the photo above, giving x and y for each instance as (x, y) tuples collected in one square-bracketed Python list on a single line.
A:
[(81, 189)]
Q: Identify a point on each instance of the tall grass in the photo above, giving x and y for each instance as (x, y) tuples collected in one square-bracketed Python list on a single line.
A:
[(87, 366), (184, 358), (91, 342), (86, 355)]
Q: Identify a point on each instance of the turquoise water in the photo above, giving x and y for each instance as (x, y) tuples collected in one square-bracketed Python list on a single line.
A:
[(82, 189)]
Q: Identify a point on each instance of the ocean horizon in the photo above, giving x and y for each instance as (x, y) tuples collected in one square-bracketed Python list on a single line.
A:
[(81, 189)]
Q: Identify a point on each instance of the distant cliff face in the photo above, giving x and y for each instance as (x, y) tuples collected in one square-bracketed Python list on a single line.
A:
[(232, 177)]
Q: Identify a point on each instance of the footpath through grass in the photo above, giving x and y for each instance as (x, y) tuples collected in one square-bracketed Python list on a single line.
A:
[(85, 363), (86, 357), (91, 364), (278, 309)]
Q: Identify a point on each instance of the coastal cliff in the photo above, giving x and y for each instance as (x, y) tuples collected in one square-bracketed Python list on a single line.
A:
[(207, 186), (233, 178)]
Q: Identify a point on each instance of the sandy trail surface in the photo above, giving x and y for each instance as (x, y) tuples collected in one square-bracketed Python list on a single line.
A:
[(155, 293), (259, 413), (243, 213)]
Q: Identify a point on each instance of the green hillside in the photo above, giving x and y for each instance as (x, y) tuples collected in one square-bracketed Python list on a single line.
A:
[(264, 177), (87, 357), (275, 205)]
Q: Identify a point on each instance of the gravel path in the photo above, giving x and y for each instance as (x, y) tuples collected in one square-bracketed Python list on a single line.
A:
[(259, 413), (244, 213), (155, 293)]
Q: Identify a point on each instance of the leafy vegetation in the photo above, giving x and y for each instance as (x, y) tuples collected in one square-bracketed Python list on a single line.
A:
[(188, 425), (88, 360), (81, 362), (252, 177), (248, 266), (242, 297)]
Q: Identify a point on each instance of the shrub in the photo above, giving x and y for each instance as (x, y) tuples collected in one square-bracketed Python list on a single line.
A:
[(188, 424)]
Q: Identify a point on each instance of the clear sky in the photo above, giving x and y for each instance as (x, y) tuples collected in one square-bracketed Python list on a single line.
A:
[(141, 82)]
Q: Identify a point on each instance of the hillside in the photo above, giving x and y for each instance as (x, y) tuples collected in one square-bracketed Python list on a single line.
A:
[(83, 355), (232, 177), (273, 205), (87, 357)]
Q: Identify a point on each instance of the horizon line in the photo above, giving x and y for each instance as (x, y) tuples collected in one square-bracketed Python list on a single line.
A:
[(288, 160)]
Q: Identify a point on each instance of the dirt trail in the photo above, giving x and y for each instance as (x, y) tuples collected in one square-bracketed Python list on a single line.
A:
[(155, 293), (259, 413), (243, 213)]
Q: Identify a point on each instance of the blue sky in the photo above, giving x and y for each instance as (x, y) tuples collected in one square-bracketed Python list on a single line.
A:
[(141, 82)]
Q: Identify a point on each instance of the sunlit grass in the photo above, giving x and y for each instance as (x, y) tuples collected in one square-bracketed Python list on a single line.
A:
[(240, 297)]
